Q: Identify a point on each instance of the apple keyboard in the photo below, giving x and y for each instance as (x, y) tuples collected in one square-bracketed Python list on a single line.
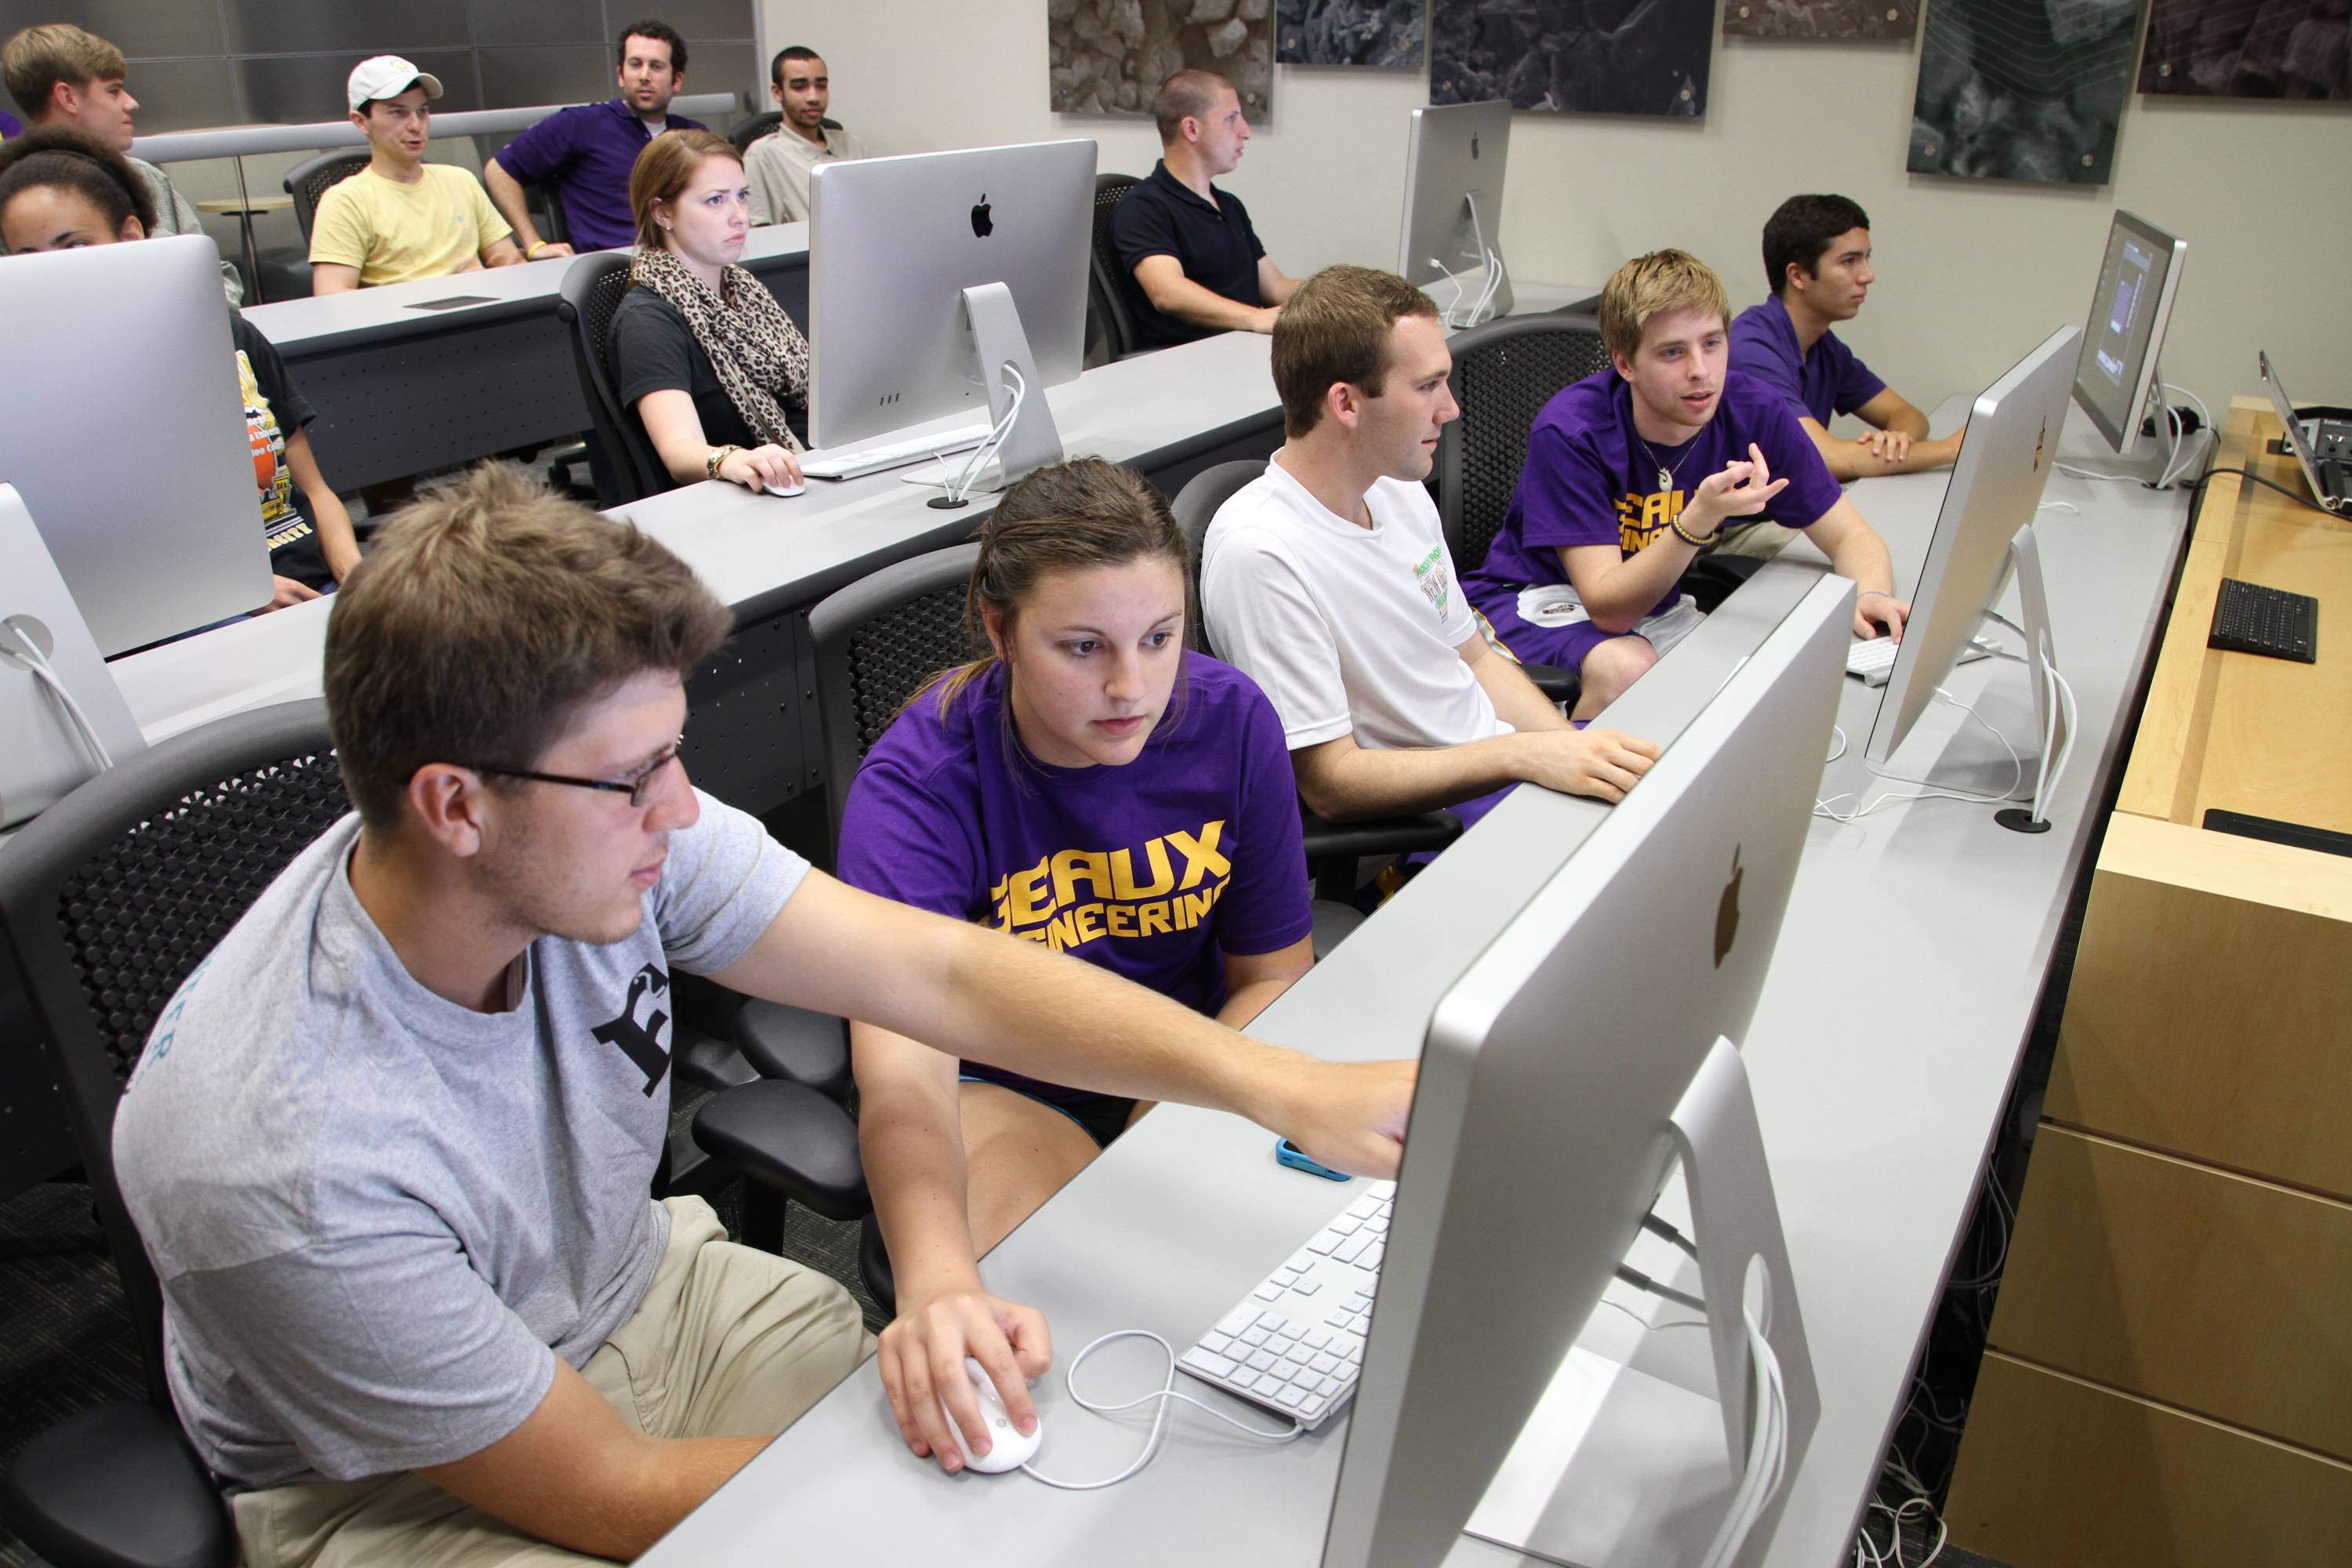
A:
[(1874, 658), (855, 462), (1296, 1343)]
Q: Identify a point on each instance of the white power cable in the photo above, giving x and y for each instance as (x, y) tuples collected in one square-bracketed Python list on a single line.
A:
[(1767, 1449), (1159, 1420), (44, 672), (958, 488), (1829, 807)]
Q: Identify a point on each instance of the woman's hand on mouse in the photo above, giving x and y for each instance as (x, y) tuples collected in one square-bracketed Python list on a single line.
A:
[(922, 1354), (756, 467)]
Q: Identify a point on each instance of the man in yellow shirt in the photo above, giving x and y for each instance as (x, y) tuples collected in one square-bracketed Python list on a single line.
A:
[(400, 218)]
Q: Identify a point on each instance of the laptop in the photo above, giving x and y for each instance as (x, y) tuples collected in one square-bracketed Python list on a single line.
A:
[(2323, 446)]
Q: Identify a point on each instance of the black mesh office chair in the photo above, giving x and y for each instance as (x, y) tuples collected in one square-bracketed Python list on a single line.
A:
[(629, 467), (1332, 848), (1109, 314), (308, 181), (109, 899), (754, 128)]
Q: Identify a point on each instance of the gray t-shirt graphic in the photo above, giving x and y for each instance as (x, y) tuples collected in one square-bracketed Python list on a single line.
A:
[(379, 1216)]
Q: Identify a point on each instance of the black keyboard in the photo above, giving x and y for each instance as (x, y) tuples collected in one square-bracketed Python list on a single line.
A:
[(2251, 618)]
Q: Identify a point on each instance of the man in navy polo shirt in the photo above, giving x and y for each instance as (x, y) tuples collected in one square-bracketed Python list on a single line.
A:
[(1633, 470), (586, 152), (1817, 264), (1196, 264)]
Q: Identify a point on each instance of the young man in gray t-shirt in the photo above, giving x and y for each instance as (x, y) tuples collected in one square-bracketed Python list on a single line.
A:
[(390, 1146)]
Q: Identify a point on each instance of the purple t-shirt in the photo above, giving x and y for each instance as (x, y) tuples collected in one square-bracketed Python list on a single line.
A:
[(1590, 480), (8, 126), (587, 153), (1828, 381), (1152, 870)]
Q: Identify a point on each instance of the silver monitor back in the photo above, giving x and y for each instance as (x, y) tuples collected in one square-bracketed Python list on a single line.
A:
[(1996, 485), (2291, 432), (122, 427), (1454, 155), (894, 242), (1539, 1134), (2124, 332)]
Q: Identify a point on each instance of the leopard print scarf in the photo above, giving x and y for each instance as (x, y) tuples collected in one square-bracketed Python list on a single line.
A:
[(752, 343)]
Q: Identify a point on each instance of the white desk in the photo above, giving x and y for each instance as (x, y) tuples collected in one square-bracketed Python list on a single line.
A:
[(402, 388), (1168, 414), (1905, 982)]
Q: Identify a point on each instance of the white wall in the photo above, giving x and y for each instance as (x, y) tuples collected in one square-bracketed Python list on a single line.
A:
[(1971, 273)]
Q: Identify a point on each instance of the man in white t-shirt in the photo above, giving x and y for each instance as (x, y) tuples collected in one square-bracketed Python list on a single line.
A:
[(1328, 582)]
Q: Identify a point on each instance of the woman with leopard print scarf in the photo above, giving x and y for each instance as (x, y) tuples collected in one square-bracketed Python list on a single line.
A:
[(702, 354)]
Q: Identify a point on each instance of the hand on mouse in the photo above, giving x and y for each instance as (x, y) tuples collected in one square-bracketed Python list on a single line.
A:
[(921, 1359), (1349, 1116), (756, 468)]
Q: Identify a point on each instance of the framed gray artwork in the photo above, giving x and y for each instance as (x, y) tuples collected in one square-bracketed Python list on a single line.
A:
[(2022, 90), (1350, 32), (2249, 48), (1594, 57), (1109, 56)]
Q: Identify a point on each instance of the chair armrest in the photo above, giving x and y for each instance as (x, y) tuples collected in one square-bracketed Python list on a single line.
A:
[(1378, 835), (791, 1138), (118, 1487), (1561, 686), (797, 1045)]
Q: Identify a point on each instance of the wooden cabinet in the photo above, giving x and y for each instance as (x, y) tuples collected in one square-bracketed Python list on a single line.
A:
[(2169, 1373)]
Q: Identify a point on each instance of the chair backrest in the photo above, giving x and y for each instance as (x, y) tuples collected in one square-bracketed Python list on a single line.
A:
[(1503, 373), (114, 894), (876, 642), (1107, 282), (307, 181), (553, 227), (751, 130), (1195, 507), (590, 293)]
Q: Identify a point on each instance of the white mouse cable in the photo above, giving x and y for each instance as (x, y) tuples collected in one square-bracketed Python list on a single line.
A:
[(1158, 1421)]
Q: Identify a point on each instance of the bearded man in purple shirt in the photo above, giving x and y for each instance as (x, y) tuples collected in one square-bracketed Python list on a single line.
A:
[(586, 152), (1630, 474)]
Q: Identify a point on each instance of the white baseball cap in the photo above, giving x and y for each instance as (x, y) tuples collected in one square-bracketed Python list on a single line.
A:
[(388, 76)]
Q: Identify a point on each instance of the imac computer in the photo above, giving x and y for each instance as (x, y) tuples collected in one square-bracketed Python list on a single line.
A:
[(1590, 1046), (1452, 235), (2117, 381), (164, 535), (948, 283), (1985, 528)]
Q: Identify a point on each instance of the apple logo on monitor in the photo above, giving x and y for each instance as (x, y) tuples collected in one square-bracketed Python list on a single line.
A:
[(1726, 913), (982, 224)]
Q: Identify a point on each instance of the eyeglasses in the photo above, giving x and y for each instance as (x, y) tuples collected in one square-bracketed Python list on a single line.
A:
[(638, 787)]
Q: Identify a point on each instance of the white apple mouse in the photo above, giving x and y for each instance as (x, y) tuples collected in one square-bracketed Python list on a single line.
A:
[(795, 488), (1010, 1448)]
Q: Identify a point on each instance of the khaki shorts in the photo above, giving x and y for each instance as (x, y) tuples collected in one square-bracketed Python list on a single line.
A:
[(728, 1341)]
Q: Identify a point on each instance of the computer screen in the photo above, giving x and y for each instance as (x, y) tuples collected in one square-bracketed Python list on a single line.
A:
[(2124, 332), (1539, 1133), (1454, 156), (122, 427), (1995, 489), (894, 242)]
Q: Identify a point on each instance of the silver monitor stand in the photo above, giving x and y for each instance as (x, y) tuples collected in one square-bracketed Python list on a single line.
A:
[(63, 716), (1016, 395)]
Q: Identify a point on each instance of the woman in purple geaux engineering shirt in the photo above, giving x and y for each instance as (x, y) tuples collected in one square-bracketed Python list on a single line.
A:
[(1090, 784)]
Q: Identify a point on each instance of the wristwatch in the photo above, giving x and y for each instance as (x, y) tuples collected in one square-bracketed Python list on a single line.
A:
[(718, 456)]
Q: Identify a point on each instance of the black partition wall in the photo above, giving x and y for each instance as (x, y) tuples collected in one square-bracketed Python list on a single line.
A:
[(201, 63)]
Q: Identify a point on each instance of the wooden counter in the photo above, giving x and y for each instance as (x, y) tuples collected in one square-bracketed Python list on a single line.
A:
[(2170, 1367)]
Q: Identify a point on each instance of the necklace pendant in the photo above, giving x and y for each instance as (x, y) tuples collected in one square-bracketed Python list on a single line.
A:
[(1665, 480)]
